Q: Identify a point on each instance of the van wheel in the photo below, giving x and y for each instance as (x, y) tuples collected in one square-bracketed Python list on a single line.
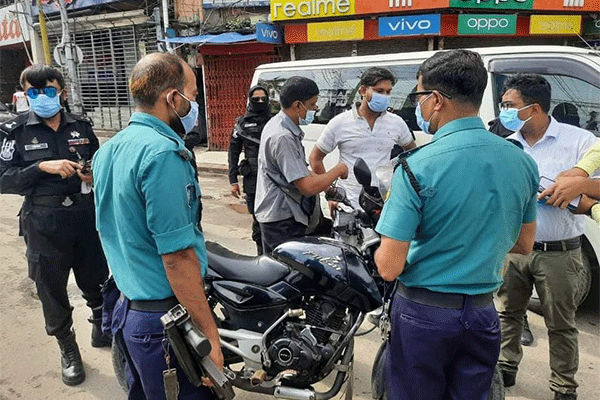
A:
[(119, 365), (584, 283)]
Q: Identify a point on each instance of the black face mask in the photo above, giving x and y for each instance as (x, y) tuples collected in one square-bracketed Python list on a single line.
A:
[(258, 107)]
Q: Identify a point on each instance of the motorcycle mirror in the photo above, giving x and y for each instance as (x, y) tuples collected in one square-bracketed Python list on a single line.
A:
[(338, 194), (362, 173)]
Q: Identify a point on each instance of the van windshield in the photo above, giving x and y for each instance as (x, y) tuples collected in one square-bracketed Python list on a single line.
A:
[(339, 89)]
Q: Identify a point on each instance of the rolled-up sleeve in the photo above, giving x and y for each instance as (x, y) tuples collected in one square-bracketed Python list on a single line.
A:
[(401, 213), (166, 188)]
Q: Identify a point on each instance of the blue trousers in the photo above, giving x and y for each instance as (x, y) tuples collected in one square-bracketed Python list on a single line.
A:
[(439, 353), (141, 334)]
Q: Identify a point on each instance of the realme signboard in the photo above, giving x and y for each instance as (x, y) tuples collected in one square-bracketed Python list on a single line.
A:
[(282, 10), (555, 25), (335, 31)]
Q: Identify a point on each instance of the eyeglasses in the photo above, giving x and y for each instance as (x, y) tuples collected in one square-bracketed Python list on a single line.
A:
[(259, 99), (507, 106), (414, 96), (49, 91)]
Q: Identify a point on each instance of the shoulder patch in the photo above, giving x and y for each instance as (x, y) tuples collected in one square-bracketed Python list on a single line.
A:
[(83, 118), (8, 126)]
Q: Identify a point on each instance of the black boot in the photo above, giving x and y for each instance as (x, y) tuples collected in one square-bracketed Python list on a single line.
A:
[(99, 339), (70, 359), (526, 335)]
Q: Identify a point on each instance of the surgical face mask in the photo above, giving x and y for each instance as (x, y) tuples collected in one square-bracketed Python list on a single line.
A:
[(44, 106), (509, 118), (424, 125), (189, 120), (379, 102), (310, 116)]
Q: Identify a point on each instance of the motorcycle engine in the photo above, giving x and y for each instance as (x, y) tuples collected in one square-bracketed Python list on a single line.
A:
[(301, 346)]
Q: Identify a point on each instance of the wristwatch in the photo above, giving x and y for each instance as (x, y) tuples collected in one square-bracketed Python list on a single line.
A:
[(589, 211)]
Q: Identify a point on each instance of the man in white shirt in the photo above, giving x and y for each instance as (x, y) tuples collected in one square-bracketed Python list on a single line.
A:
[(556, 257), (367, 131), (19, 101)]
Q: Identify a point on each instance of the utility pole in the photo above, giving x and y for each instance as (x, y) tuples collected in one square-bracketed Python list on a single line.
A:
[(44, 33), (69, 48)]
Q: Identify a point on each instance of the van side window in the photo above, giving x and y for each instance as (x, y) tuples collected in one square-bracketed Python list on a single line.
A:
[(575, 90), (339, 89)]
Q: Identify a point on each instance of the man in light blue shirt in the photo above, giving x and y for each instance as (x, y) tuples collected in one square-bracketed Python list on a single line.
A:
[(148, 215), (556, 257), (456, 207)]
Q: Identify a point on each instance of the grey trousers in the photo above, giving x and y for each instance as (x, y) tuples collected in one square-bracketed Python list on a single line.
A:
[(554, 274)]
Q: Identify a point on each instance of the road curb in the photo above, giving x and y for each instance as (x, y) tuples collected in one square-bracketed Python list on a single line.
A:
[(212, 168)]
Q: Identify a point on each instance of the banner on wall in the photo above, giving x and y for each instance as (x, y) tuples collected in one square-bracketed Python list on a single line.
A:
[(429, 24), (335, 31), (13, 27), (487, 24), (555, 24)]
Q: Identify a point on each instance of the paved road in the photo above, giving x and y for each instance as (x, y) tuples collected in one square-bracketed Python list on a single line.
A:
[(29, 360)]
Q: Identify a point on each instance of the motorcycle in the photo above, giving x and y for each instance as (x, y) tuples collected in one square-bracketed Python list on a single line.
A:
[(287, 320), (356, 227)]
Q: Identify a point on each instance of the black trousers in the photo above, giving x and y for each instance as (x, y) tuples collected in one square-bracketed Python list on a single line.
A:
[(275, 233), (256, 236), (58, 240)]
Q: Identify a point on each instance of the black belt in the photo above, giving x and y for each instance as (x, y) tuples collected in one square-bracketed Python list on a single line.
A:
[(163, 305), (558, 245), (61, 201), (438, 299)]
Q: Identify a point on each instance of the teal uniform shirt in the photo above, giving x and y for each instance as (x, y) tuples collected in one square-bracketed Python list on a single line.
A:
[(147, 204), (477, 190)]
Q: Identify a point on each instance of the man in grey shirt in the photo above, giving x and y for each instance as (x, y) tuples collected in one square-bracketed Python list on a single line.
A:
[(283, 175)]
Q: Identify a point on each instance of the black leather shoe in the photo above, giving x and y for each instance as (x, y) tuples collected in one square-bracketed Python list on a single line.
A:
[(71, 364), (99, 339), (526, 335), (508, 378), (565, 396)]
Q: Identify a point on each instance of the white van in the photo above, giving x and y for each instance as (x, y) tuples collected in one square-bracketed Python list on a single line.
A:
[(573, 73)]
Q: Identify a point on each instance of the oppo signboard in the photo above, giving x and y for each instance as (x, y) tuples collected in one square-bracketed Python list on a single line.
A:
[(487, 24)]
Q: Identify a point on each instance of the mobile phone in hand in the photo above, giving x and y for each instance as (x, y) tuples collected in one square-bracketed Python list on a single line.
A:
[(545, 183)]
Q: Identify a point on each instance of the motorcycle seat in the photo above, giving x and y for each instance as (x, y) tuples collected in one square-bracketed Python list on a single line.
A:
[(262, 270)]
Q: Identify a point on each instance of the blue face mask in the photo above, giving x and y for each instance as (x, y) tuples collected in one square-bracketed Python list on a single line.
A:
[(379, 102), (509, 118), (44, 106), (424, 125), (189, 120), (310, 116)]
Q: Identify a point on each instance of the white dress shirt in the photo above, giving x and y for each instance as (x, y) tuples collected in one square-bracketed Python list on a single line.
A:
[(561, 147)]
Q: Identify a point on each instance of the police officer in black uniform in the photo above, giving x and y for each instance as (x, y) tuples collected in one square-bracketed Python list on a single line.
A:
[(246, 136), (45, 157)]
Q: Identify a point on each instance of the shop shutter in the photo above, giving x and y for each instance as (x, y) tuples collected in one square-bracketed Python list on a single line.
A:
[(390, 46), (109, 55), (467, 42), (311, 51), (227, 81)]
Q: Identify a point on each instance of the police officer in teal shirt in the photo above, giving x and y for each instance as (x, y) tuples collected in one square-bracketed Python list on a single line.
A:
[(445, 244), (148, 216)]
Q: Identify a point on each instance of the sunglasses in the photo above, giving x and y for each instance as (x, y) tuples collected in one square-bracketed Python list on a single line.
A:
[(414, 96), (49, 91), (261, 99)]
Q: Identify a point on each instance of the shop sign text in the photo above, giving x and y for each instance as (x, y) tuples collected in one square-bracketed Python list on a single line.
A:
[(555, 24), (267, 33), (493, 4), (410, 25), (335, 31), (487, 24), (299, 9)]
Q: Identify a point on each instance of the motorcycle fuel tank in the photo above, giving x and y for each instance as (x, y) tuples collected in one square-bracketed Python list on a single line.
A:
[(327, 266)]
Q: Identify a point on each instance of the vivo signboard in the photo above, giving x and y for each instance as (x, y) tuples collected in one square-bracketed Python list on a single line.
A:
[(267, 33), (428, 24)]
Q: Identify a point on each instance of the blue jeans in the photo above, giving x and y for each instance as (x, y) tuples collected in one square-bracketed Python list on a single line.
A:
[(439, 353), (141, 334)]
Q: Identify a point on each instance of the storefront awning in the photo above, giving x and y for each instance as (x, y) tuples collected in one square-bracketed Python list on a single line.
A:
[(223, 38)]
